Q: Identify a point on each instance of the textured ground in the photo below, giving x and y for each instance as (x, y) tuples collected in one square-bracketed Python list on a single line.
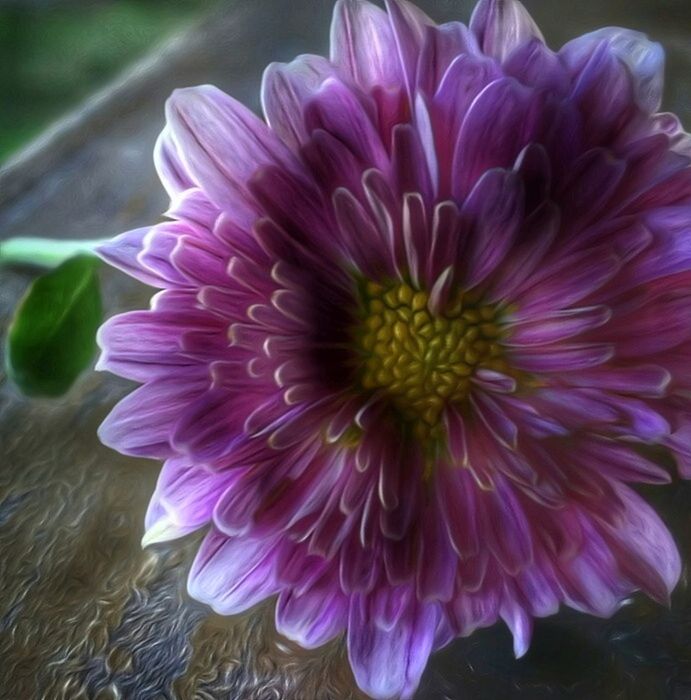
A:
[(84, 612)]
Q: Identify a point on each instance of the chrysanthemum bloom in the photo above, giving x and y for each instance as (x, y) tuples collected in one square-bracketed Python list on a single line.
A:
[(417, 333)]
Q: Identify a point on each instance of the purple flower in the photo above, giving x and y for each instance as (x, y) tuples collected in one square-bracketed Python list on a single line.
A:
[(417, 333)]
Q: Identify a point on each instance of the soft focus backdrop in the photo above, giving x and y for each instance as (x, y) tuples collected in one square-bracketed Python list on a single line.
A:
[(84, 612)]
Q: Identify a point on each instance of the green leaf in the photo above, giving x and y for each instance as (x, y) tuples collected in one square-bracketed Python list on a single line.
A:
[(52, 338)]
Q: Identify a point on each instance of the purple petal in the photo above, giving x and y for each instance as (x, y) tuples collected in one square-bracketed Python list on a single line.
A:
[(233, 574), (559, 326), (389, 663), (221, 141), (591, 580), (644, 381), (408, 24), (493, 214), (647, 552), (644, 59), (140, 425), (562, 358), (506, 526), (185, 497), (671, 252), (603, 93), (462, 82), (458, 504), (520, 624), (680, 442), (169, 165), (485, 143), (312, 618), (363, 46), (332, 163), (570, 280), (286, 87), (409, 164), (501, 26), (208, 426), (592, 181), (193, 205), (438, 562), (122, 252), (137, 346), (442, 45), (337, 110), (536, 65), (621, 462)]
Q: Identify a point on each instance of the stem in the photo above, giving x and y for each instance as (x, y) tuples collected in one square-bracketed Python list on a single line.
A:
[(43, 252)]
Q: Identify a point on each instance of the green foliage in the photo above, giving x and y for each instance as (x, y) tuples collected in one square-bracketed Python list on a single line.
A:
[(52, 338)]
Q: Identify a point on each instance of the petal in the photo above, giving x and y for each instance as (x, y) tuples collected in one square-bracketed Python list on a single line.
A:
[(570, 279), (210, 426), (286, 87), (520, 623), (680, 442), (559, 326), (233, 574), (389, 663), (506, 527), (647, 553), (442, 45), (462, 82), (169, 166), (562, 358), (534, 64), (338, 111), (312, 617), (501, 26), (189, 493), (671, 250), (644, 381), (621, 462), (645, 60), (137, 346), (603, 93), (438, 562), (501, 121), (122, 252), (408, 24), (161, 527), (589, 187), (493, 214), (194, 206), (221, 142), (363, 46), (141, 424)]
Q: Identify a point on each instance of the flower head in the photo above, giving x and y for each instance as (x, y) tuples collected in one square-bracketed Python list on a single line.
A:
[(417, 333)]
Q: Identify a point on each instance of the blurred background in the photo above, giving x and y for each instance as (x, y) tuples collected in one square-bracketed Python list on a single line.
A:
[(84, 611), (54, 53)]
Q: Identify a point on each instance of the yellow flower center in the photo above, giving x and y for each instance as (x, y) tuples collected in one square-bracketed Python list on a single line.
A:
[(423, 360)]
